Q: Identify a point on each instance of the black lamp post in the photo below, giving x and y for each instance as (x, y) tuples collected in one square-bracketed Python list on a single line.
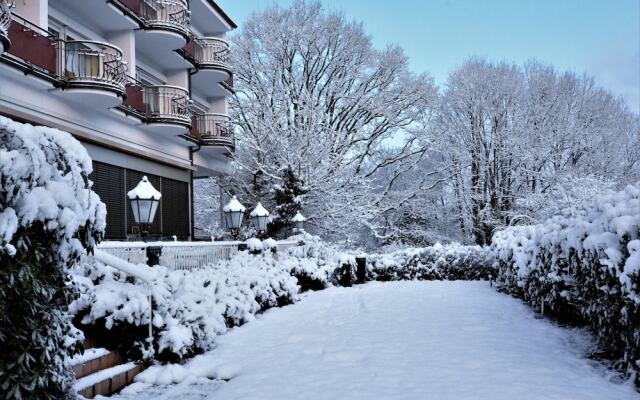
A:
[(144, 199), (233, 213)]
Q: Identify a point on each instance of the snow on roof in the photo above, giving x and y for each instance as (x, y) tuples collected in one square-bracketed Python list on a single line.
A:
[(298, 218), (259, 211), (234, 205), (144, 190)]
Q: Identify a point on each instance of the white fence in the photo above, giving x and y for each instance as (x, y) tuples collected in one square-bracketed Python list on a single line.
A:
[(187, 258), (180, 256)]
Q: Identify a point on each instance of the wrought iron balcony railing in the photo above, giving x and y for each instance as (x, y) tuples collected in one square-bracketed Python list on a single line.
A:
[(5, 22), (91, 64), (212, 53), (167, 104), (214, 130), (171, 15)]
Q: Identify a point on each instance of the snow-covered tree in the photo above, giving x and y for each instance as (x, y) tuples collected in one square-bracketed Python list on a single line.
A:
[(515, 138), (314, 97), (49, 217)]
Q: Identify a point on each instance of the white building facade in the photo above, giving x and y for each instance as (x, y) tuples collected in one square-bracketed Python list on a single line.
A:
[(141, 83)]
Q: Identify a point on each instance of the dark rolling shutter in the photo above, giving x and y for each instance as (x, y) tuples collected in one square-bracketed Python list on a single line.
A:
[(175, 213), (108, 183), (133, 177)]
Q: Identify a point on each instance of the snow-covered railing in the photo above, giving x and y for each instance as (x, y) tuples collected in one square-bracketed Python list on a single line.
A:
[(142, 272), (133, 252), (184, 256), (188, 256)]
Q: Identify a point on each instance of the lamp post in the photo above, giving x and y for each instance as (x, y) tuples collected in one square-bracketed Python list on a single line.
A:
[(259, 218), (233, 213), (144, 199), (298, 221)]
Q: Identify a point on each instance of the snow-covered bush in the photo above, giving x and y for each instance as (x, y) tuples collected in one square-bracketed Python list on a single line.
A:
[(582, 266), (189, 308), (48, 218), (438, 262)]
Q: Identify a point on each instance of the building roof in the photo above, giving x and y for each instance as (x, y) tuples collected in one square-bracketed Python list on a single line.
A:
[(224, 15)]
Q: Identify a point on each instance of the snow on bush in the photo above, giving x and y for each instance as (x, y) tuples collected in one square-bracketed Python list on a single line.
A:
[(583, 266), (190, 308), (438, 262), (49, 216)]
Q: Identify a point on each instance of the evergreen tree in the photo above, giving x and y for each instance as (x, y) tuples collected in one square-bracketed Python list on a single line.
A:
[(288, 200)]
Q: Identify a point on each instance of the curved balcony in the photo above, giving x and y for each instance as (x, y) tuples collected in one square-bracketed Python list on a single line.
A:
[(212, 59), (166, 26), (5, 22), (167, 108), (214, 130), (170, 15), (93, 72)]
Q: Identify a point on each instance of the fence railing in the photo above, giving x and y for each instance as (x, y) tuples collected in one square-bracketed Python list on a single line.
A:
[(163, 102), (91, 63), (166, 14), (188, 258), (183, 256)]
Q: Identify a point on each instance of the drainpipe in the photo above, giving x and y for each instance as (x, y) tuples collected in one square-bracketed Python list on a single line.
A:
[(192, 149)]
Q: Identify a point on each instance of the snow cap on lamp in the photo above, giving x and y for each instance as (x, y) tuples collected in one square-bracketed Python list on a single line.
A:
[(299, 220), (259, 217), (144, 200), (233, 212)]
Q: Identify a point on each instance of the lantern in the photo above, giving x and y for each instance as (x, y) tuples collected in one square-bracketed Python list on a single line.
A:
[(298, 221), (233, 213), (259, 217), (144, 199)]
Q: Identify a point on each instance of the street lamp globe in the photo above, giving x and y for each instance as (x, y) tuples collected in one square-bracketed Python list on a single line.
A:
[(259, 218), (233, 213), (298, 221), (144, 200)]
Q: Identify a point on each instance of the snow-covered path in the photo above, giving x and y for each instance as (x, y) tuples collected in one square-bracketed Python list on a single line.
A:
[(406, 340)]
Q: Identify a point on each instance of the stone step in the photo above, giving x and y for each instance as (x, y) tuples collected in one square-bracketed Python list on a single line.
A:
[(93, 360), (108, 381)]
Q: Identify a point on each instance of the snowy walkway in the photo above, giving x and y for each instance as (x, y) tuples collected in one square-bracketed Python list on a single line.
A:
[(407, 340)]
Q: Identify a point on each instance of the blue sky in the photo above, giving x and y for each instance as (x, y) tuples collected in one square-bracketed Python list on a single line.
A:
[(600, 37)]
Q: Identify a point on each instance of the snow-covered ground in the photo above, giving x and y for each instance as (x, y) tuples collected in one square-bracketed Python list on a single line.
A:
[(400, 340)]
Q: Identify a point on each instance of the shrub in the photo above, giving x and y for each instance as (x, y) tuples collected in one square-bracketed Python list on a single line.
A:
[(582, 267), (48, 217), (439, 262)]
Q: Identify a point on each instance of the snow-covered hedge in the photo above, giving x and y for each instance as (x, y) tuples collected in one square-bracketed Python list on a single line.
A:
[(582, 266), (48, 217), (189, 308), (438, 262)]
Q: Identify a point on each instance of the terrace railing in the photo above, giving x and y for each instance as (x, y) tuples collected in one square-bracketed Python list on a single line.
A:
[(86, 63), (167, 103), (166, 14), (215, 130), (212, 52)]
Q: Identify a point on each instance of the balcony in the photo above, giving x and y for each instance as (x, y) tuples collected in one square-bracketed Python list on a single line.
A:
[(165, 109), (93, 72), (166, 28), (214, 130), (211, 56), (5, 22), (166, 15)]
